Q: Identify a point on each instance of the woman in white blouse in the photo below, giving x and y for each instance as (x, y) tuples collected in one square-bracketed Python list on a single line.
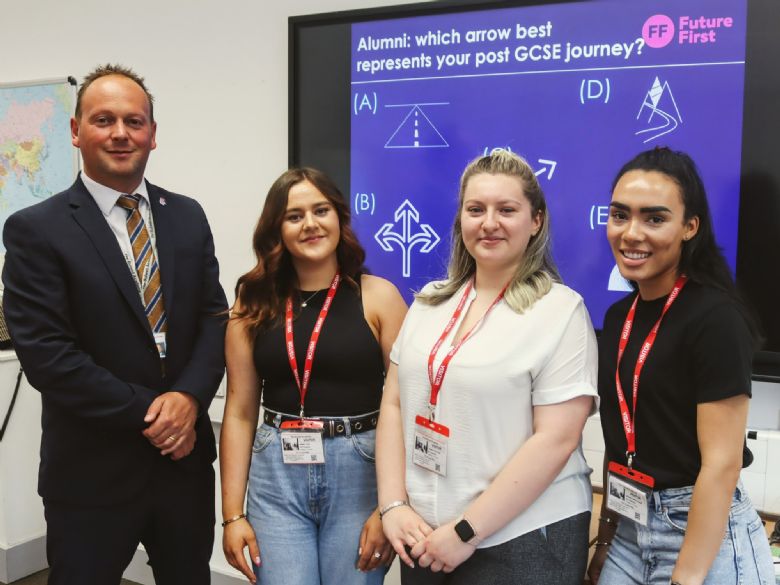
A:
[(481, 474)]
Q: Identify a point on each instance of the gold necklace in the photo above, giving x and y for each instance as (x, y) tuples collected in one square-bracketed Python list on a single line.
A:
[(306, 301)]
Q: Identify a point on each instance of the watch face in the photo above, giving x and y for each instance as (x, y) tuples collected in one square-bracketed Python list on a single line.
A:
[(464, 530)]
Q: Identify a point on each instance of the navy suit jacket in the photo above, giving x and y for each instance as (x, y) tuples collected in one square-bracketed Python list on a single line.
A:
[(79, 330)]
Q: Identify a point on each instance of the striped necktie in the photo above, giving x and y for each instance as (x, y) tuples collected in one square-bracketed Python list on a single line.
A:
[(145, 263)]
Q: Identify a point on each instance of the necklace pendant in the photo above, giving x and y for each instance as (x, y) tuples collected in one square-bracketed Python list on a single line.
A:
[(305, 302)]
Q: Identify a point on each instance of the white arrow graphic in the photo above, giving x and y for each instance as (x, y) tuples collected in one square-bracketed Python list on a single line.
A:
[(547, 165), (408, 217)]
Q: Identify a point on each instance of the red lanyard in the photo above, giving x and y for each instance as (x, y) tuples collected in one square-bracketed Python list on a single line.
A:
[(303, 387), (436, 382), (629, 422)]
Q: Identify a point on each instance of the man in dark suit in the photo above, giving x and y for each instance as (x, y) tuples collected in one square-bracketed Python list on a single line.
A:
[(115, 310)]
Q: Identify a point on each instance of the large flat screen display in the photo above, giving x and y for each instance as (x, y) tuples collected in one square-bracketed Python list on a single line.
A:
[(394, 102), (576, 89)]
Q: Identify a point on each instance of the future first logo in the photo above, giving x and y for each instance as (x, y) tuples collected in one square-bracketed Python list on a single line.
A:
[(659, 30)]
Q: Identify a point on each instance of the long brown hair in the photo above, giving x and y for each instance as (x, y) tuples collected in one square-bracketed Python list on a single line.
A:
[(262, 292)]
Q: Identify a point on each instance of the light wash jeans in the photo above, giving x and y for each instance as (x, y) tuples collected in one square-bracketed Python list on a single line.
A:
[(646, 555), (308, 518)]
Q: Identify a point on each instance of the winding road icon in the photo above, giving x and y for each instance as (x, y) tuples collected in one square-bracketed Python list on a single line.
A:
[(660, 101)]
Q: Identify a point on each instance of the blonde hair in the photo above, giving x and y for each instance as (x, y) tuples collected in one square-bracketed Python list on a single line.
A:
[(536, 271)]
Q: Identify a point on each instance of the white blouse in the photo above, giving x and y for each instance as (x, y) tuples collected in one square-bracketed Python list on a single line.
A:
[(511, 363)]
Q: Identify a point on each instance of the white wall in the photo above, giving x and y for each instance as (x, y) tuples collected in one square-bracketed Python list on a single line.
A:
[(218, 71), (22, 526)]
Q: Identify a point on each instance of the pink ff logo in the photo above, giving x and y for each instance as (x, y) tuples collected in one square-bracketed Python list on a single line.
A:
[(658, 31)]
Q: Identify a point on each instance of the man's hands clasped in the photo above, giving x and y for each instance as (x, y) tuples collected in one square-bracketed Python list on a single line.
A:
[(171, 418)]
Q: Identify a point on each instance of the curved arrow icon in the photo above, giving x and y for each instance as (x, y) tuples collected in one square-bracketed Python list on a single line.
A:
[(386, 235), (428, 237)]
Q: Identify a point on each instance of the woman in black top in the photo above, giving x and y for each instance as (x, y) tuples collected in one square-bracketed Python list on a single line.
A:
[(311, 334), (674, 416)]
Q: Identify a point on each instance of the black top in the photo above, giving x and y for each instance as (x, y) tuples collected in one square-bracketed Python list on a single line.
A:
[(702, 353), (348, 371)]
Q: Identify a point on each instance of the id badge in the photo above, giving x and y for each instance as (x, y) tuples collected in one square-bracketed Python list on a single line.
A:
[(430, 445), (302, 442), (159, 341), (628, 492)]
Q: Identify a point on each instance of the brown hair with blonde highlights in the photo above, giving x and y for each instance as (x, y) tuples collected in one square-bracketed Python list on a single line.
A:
[(536, 270)]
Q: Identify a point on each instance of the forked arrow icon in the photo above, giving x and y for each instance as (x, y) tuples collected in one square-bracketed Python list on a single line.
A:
[(408, 218)]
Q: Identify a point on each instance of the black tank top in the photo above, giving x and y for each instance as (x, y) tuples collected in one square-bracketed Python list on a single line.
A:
[(348, 371)]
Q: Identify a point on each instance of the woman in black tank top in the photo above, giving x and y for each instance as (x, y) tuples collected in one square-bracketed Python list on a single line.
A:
[(310, 335)]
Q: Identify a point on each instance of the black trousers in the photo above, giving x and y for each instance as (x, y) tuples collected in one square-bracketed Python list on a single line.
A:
[(173, 518), (556, 556)]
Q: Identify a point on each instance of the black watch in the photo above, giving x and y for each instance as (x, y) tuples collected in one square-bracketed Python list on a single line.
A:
[(465, 530)]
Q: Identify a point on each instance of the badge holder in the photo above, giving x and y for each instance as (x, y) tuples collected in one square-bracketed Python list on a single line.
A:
[(302, 437), (302, 441), (430, 445), (628, 492), (430, 437), (161, 343)]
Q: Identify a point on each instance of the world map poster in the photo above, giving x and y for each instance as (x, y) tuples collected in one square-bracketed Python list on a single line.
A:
[(37, 158)]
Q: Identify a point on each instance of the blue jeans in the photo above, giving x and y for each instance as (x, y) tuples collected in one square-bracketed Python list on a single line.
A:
[(646, 555), (308, 518)]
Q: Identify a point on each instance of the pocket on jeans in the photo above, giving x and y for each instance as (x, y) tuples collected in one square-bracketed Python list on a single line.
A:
[(263, 438), (365, 445), (676, 518), (760, 552)]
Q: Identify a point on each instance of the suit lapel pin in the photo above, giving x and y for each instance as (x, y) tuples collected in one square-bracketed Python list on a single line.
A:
[(163, 201)]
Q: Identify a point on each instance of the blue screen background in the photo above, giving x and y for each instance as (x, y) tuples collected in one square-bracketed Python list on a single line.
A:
[(415, 128)]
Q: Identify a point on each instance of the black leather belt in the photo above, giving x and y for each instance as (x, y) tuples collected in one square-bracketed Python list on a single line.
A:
[(331, 427)]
